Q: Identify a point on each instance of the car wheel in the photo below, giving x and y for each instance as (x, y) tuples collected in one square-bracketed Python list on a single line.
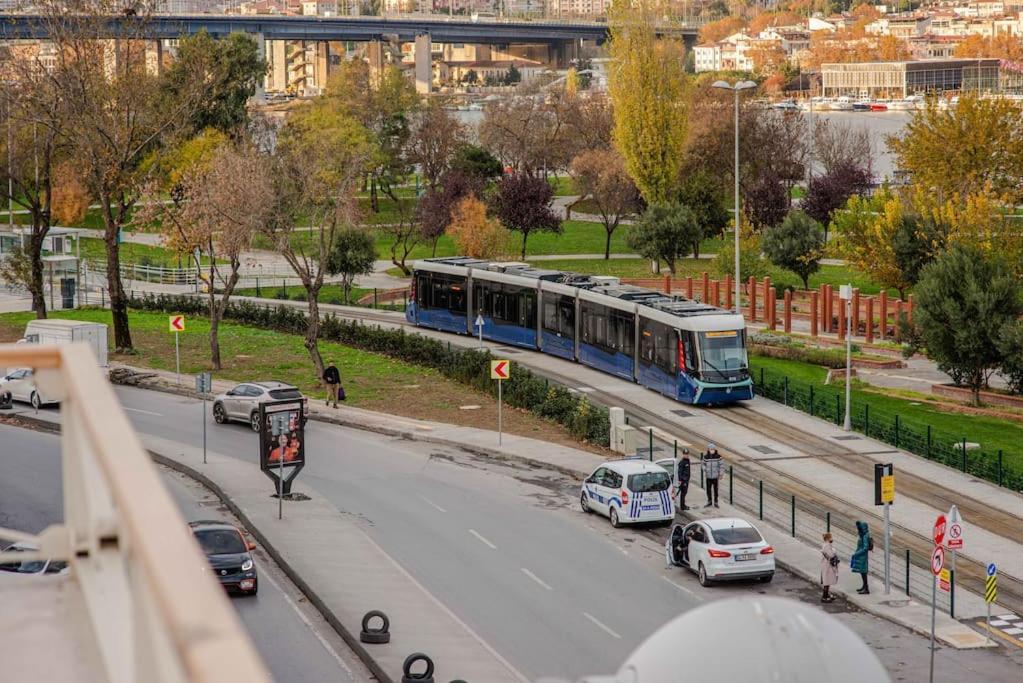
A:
[(702, 574), (34, 400), (766, 578), (614, 518), (254, 421), (219, 416), (584, 503)]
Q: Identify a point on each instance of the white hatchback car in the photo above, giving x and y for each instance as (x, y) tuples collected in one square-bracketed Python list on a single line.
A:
[(720, 549), (629, 491)]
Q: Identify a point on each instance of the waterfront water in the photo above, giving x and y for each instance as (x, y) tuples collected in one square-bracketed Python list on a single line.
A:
[(878, 124)]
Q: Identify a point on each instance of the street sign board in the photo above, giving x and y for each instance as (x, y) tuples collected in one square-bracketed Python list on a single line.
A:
[(954, 540), (176, 323), (884, 483), (991, 588), (944, 580), (203, 383), (939, 530), (992, 569), (500, 369), (479, 321), (937, 560)]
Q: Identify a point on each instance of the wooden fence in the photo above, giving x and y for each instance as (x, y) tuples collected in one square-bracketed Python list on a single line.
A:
[(873, 317)]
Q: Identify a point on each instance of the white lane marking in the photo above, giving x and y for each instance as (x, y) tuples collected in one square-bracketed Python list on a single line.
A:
[(536, 578), (305, 620), (451, 615), (680, 587), (477, 535), (145, 412), (601, 626), (432, 504)]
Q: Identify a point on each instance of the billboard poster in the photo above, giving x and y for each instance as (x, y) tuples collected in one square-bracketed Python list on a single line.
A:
[(281, 440)]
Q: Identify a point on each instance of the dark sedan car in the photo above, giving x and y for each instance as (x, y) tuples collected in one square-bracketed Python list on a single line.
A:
[(228, 554)]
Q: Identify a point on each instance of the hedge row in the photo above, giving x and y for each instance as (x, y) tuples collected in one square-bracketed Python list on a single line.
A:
[(470, 367)]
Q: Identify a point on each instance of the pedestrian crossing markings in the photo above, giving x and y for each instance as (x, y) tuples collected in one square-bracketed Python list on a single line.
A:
[(1009, 625)]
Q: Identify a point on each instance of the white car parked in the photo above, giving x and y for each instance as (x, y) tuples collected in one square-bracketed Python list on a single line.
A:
[(720, 549), (22, 385), (629, 491)]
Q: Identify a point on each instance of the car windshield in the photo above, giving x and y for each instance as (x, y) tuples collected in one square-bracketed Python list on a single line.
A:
[(220, 542), (285, 393), (736, 535), (649, 481), (722, 351)]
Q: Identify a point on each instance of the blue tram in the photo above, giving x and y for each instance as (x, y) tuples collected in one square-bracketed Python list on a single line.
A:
[(689, 351)]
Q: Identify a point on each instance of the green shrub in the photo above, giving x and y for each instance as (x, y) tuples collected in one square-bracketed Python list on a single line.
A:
[(468, 366)]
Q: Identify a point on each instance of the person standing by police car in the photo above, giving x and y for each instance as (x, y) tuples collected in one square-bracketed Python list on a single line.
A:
[(684, 474), (711, 461)]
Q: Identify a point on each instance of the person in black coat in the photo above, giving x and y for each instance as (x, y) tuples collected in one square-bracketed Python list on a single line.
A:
[(332, 378), (684, 473)]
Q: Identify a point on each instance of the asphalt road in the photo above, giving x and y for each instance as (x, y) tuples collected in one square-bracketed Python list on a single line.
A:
[(293, 638), (555, 591)]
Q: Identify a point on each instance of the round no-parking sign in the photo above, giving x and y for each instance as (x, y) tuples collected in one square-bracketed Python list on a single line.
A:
[(937, 560)]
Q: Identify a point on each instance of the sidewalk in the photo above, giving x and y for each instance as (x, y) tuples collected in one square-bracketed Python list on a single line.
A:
[(792, 554)]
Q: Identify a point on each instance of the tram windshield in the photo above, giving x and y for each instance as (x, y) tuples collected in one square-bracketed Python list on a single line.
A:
[(723, 355)]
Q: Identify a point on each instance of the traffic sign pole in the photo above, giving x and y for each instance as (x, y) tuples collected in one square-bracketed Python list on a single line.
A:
[(177, 357), (500, 427), (499, 370), (887, 549), (934, 599), (937, 562)]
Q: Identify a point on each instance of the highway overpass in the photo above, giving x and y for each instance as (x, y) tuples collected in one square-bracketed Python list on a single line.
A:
[(441, 29)]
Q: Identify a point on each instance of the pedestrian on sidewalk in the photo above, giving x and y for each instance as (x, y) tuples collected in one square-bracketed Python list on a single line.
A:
[(332, 377), (684, 474), (829, 568), (711, 472), (860, 560)]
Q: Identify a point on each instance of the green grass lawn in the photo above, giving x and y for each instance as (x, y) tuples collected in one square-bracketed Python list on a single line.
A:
[(990, 432), (372, 381), (140, 254), (563, 185)]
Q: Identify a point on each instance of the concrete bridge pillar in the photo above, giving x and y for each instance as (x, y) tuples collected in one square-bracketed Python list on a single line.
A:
[(320, 64), (375, 56), (424, 64), (260, 94)]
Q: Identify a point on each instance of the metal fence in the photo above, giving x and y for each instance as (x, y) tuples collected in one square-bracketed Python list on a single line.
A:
[(807, 520), (955, 450)]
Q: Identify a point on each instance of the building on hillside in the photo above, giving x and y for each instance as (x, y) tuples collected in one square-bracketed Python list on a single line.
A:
[(577, 8), (730, 54), (900, 25), (456, 60), (983, 8), (319, 8), (897, 80)]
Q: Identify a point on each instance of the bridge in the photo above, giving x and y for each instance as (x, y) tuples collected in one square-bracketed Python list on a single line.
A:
[(489, 30), (300, 47)]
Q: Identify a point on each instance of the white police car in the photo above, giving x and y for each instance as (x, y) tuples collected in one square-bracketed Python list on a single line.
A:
[(629, 491)]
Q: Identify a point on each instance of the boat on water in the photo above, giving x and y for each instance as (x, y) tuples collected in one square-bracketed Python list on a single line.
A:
[(879, 105), (841, 104), (910, 103), (861, 106), (785, 105)]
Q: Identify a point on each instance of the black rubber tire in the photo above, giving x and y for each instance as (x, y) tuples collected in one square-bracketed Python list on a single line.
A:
[(766, 578), (254, 421), (219, 416), (701, 574), (376, 635), (613, 516), (584, 503), (34, 400), (406, 668)]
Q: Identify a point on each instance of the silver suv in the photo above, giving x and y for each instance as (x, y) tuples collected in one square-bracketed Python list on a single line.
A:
[(242, 402)]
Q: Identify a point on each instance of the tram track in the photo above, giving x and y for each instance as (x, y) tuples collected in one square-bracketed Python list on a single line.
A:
[(971, 572)]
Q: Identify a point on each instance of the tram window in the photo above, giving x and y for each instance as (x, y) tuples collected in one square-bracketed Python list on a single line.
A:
[(594, 325), (550, 315), (566, 316), (690, 350), (456, 298), (423, 290), (647, 342), (527, 309), (620, 328), (666, 349), (439, 297)]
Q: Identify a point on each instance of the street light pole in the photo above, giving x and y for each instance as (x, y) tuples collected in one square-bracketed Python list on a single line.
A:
[(737, 218), (846, 294)]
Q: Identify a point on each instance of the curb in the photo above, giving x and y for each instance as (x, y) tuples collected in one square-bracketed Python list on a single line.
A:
[(352, 641), (407, 435)]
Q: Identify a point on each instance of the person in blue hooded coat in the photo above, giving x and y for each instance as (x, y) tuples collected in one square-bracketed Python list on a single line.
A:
[(859, 562)]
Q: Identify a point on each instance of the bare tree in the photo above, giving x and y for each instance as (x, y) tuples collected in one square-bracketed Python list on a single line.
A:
[(113, 112), (320, 157), (838, 144), (528, 132), (436, 136), (601, 177), (217, 209)]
